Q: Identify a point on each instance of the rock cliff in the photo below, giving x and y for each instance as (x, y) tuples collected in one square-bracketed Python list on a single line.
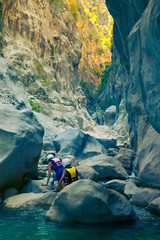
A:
[(42, 42), (136, 36), (41, 50)]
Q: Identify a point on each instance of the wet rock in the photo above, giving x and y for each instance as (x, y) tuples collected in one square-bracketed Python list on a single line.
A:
[(144, 197), (154, 206), (126, 157), (88, 202)]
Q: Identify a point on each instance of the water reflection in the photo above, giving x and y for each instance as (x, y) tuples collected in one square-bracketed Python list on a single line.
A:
[(30, 224)]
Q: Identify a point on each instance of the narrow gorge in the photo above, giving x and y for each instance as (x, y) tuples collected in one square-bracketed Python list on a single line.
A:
[(80, 79)]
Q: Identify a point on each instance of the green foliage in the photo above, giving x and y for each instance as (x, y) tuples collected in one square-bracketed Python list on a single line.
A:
[(103, 104), (104, 80), (83, 17), (100, 51), (74, 9), (117, 62), (48, 84), (87, 90), (96, 40), (39, 70), (35, 106), (94, 32), (107, 42), (101, 65), (58, 3), (124, 114), (97, 72), (1, 23)]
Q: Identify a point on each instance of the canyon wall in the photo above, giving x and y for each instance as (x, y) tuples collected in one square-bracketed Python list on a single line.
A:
[(40, 50), (136, 36)]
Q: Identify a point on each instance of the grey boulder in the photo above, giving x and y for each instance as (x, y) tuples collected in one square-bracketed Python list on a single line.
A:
[(86, 201), (75, 142)]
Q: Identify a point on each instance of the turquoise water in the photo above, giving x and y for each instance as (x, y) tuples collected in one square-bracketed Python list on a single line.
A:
[(30, 224)]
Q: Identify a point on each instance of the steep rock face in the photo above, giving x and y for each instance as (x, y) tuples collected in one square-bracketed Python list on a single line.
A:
[(136, 37), (50, 31), (125, 14), (20, 133), (42, 43), (94, 24)]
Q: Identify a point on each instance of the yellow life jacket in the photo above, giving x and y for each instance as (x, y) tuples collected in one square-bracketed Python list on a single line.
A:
[(71, 175)]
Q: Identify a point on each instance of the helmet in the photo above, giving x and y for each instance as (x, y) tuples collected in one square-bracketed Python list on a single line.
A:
[(49, 157), (66, 162)]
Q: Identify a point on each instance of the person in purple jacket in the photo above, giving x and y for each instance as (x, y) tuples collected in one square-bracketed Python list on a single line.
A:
[(55, 164)]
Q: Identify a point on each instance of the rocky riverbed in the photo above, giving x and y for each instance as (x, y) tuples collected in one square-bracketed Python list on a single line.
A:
[(107, 194)]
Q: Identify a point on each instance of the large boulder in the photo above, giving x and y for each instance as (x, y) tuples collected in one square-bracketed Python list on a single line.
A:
[(51, 130), (107, 167), (20, 133), (127, 188), (147, 163), (108, 143), (101, 158), (20, 146), (110, 116), (77, 143), (109, 171), (126, 157), (35, 186), (144, 197), (86, 201), (88, 172), (116, 185)]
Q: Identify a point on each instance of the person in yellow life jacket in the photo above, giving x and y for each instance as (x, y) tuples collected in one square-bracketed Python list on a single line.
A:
[(71, 172)]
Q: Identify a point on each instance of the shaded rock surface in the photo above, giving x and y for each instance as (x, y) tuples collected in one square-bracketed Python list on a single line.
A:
[(136, 37), (89, 202), (154, 206), (128, 188), (10, 192), (35, 187), (144, 196)]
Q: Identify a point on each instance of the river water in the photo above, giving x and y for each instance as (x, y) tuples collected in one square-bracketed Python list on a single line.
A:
[(30, 224)]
